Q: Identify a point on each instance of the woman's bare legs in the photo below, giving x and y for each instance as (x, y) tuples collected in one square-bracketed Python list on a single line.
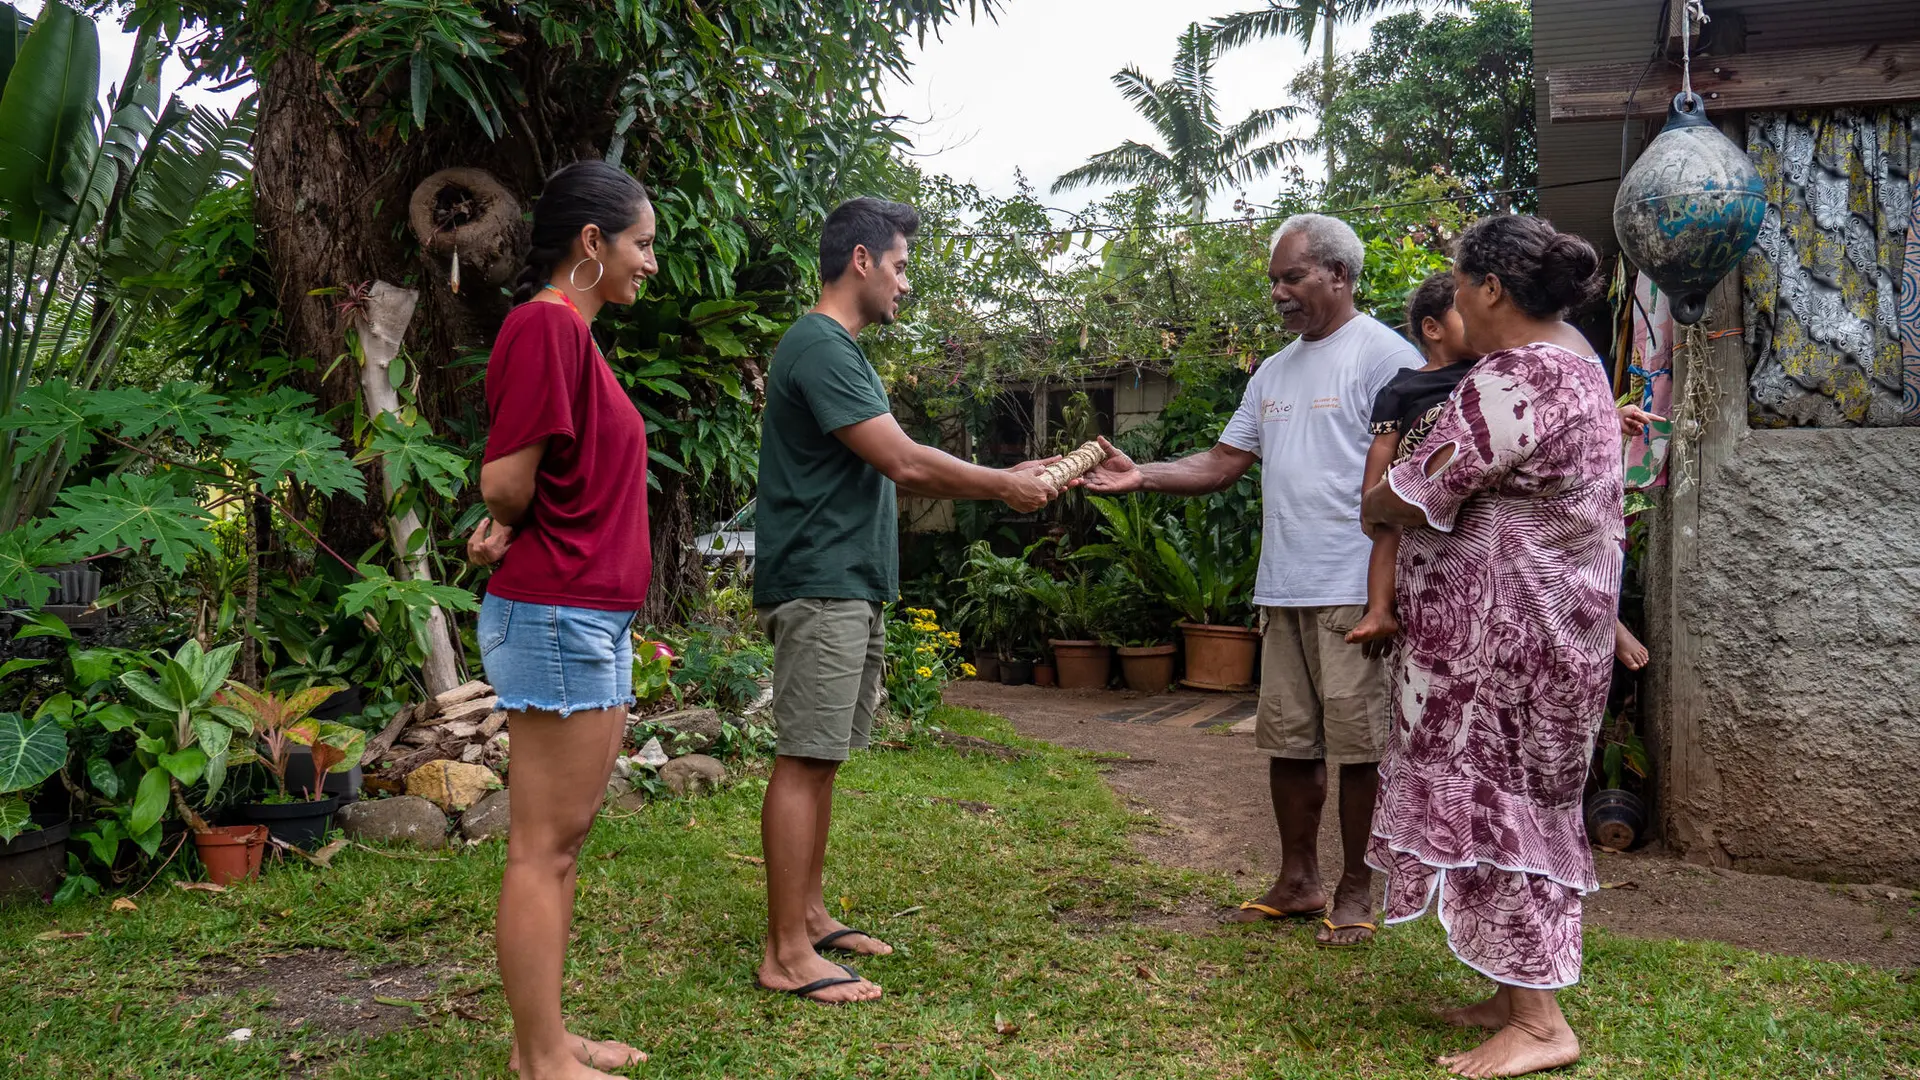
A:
[(558, 779)]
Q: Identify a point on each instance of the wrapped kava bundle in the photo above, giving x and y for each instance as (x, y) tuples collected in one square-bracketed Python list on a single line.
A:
[(1076, 464)]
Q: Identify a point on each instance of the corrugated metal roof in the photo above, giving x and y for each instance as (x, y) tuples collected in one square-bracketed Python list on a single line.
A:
[(1577, 32)]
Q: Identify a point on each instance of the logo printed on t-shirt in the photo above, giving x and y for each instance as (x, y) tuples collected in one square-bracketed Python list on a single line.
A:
[(1272, 411), (1326, 402)]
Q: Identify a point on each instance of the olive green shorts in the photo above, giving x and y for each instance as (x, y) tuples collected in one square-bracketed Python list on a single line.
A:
[(828, 656)]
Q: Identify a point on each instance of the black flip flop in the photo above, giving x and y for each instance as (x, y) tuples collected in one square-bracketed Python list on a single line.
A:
[(826, 944), (806, 992)]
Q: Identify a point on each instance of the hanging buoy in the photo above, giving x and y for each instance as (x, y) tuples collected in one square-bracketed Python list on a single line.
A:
[(1690, 208)]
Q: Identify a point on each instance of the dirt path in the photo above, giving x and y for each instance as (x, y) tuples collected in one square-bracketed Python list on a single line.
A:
[(1208, 786)]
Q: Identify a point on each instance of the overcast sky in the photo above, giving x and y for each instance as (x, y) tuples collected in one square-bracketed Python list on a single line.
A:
[(1032, 90)]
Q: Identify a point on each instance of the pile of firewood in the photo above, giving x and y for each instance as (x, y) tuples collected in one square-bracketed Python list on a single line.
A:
[(459, 725)]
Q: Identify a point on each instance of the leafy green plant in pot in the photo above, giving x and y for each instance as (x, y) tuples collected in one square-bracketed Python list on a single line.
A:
[(1076, 614), (187, 739), (1000, 602), (1616, 817), (279, 722), (1139, 623), (32, 850)]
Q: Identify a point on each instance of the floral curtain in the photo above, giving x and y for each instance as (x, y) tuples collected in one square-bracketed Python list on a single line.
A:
[(1830, 286)]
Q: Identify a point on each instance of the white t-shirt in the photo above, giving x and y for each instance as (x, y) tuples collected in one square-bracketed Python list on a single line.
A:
[(1305, 414)]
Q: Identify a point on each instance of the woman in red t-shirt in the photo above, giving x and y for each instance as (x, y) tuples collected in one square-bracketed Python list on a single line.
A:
[(565, 481)]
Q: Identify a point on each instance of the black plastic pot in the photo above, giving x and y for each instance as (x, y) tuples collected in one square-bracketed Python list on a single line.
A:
[(78, 584), (1615, 819), (300, 776), (1016, 672), (986, 666), (32, 864), (347, 703), (302, 824)]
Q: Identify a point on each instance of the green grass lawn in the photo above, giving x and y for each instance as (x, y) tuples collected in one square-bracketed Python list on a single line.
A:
[(1037, 919)]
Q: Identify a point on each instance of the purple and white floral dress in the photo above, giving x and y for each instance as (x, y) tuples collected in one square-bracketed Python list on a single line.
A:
[(1507, 606)]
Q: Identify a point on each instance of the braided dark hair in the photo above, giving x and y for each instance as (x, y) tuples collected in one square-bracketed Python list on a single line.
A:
[(1547, 272), (1431, 299), (581, 194)]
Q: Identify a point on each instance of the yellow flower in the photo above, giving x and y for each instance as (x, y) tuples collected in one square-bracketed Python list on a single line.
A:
[(925, 672), (968, 670)]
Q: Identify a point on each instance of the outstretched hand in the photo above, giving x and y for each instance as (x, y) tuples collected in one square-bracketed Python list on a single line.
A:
[(1115, 476), (1634, 420)]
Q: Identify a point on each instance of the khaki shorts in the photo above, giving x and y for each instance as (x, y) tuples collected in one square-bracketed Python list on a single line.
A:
[(827, 659), (1320, 698)]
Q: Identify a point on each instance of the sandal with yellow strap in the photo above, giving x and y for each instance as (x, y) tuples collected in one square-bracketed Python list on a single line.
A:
[(1269, 913), (1337, 927)]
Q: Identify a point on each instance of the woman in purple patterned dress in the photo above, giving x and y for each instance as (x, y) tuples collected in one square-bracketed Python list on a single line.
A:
[(1508, 571)]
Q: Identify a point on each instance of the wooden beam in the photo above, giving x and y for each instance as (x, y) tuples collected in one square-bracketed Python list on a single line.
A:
[(1788, 79)]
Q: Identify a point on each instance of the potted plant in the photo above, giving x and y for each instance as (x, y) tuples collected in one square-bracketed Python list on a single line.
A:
[(999, 608), (1200, 566), (185, 738), (1138, 623), (280, 722), (1615, 817), (1076, 613), (33, 848)]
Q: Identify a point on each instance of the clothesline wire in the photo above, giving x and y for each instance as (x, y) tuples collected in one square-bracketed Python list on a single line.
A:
[(1253, 219)]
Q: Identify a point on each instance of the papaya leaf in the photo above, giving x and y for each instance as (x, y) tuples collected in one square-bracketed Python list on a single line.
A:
[(130, 510), (23, 551), (409, 455), (299, 449), (54, 413)]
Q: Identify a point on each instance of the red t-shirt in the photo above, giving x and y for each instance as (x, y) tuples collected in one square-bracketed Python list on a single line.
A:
[(583, 541)]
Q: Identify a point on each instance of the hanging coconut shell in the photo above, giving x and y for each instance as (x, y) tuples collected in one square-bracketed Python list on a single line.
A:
[(1690, 208), (469, 218)]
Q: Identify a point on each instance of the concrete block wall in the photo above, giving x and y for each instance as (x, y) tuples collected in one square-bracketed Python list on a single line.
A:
[(1804, 611)]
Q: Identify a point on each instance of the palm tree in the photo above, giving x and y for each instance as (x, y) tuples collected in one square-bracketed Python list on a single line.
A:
[(1300, 19), (1200, 155)]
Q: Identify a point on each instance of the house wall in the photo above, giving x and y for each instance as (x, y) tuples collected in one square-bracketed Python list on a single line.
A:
[(1804, 606), (1138, 399)]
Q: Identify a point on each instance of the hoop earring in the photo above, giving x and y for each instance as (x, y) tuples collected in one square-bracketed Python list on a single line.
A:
[(598, 265)]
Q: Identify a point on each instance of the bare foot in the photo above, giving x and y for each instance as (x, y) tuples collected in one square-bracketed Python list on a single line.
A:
[(1514, 1052), (774, 975), (1374, 626), (822, 926), (1491, 1013), (1628, 648), (569, 1069), (1352, 904), (1290, 899), (609, 1053)]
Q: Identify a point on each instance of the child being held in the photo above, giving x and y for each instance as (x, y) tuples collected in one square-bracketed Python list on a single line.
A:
[(1403, 413)]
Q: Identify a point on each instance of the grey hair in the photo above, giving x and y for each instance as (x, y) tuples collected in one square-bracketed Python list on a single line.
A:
[(1330, 242)]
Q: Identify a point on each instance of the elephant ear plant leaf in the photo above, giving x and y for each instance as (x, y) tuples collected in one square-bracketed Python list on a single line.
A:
[(29, 753)]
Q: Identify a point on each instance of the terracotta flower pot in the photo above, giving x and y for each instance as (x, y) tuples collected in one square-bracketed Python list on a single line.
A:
[(231, 852), (1045, 675), (1084, 665), (1148, 669), (1219, 657)]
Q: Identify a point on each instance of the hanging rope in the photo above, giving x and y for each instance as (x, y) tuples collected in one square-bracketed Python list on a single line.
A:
[(1694, 13)]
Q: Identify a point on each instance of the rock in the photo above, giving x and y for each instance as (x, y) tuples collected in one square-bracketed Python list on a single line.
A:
[(630, 801), (651, 754), (487, 818), (451, 785), (694, 730), (689, 775), (420, 736), (404, 819)]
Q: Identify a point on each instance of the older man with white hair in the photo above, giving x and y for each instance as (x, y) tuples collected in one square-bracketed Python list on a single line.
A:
[(1305, 416)]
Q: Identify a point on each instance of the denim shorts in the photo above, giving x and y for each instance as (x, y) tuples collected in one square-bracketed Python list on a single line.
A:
[(556, 659)]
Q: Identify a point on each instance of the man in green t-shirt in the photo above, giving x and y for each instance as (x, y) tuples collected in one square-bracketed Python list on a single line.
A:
[(831, 459)]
